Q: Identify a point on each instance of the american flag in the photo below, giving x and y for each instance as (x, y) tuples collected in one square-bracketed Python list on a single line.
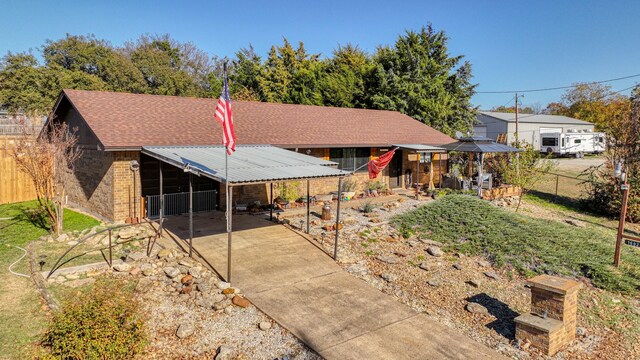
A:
[(225, 116)]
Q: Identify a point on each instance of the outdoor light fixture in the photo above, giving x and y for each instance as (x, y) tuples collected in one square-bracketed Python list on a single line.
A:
[(134, 165)]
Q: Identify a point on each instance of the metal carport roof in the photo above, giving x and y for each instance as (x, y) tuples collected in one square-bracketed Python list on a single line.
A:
[(249, 164), (421, 148)]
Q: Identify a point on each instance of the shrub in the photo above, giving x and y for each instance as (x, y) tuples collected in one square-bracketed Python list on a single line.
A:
[(348, 184), (368, 207), (102, 324)]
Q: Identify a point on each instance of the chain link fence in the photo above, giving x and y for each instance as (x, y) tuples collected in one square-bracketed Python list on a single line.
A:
[(561, 188)]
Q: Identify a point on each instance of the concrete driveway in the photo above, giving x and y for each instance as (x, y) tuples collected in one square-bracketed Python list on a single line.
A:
[(305, 291)]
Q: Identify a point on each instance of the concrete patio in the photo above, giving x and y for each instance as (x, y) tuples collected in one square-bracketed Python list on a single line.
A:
[(305, 291)]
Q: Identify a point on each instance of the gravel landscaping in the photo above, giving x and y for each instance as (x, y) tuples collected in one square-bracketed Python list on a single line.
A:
[(464, 292)]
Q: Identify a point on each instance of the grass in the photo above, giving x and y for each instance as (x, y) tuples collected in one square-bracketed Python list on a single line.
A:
[(531, 246), (22, 318)]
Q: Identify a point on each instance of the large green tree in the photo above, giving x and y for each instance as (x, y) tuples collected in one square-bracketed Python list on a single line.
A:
[(95, 57), (417, 76), (343, 83)]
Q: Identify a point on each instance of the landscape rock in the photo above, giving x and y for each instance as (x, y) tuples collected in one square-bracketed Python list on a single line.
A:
[(62, 238), (186, 280), (203, 287), (358, 269), (229, 291), (434, 282), (483, 263), (264, 325), (136, 256), (147, 269), (194, 272), (135, 271), (387, 259), (476, 308), (426, 266), (389, 277), (163, 253), (127, 233), (72, 243), (171, 272), (225, 352), (474, 283), (457, 266), (223, 285), (143, 285), (185, 330), (240, 301), (186, 289), (431, 242), (580, 331), (492, 275), (122, 267), (434, 251)]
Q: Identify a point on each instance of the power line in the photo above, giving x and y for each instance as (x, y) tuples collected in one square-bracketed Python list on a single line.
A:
[(558, 87)]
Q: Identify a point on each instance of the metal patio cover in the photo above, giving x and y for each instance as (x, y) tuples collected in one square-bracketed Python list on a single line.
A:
[(250, 164), (479, 144)]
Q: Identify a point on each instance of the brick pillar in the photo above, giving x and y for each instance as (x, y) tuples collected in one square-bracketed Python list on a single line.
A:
[(552, 323), (124, 184)]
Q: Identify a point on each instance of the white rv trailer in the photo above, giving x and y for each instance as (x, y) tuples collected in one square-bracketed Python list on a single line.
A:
[(572, 142)]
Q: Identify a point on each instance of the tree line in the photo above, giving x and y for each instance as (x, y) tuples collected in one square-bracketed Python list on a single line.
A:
[(416, 75)]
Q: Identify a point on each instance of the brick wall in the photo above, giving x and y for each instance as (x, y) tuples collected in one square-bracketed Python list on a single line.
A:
[(90, 183)]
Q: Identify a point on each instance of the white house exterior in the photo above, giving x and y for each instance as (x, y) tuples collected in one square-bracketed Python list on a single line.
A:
[(493, 124)]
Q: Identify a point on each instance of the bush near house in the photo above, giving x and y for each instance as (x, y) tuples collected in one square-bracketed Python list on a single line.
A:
[(531, 246), (102, 324)]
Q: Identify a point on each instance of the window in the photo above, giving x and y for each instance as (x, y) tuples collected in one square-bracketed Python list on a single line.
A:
[(577, 141), (350, 159), (562, 142), (548, 141)]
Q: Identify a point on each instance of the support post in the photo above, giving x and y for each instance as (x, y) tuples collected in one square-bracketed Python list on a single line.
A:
[(335, 245), (621, 222), (190, 215), (271, 203), (110, 256), (229, 231), (161, 210), (480, 176), (417, 176), (557, 180), (308, 207)]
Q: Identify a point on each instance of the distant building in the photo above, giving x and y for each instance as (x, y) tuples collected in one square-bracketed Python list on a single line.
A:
[(502, 126)]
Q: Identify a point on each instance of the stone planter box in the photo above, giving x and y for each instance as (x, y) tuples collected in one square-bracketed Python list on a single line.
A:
[(504, 191)]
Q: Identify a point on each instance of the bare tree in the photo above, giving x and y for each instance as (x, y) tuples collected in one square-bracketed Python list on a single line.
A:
[(45, 158)]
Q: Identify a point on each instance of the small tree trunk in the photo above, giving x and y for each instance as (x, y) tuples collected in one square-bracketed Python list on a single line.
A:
[(520, 199)]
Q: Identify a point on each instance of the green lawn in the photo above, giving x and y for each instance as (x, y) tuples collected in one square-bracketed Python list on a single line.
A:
[(22, 318), (532, 246)]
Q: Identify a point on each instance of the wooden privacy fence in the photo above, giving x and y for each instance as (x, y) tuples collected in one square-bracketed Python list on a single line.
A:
[(15, 185)]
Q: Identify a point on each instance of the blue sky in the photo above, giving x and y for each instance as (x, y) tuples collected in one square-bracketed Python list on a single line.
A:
[(511, 44)]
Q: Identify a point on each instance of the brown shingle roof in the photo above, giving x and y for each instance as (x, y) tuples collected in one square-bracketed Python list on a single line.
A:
[(123, 120)]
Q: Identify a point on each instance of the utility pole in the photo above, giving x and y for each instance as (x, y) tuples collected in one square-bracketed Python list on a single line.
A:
[(516, 134)]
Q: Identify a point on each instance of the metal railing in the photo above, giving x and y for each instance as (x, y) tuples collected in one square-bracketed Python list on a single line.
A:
[(7, 130), (178, 203), (151, 241)]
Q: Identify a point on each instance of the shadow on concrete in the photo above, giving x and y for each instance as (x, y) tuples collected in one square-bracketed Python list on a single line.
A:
[(504, 323)]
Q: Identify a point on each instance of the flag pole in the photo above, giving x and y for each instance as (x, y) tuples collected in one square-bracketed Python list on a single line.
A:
[(228, 198)]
